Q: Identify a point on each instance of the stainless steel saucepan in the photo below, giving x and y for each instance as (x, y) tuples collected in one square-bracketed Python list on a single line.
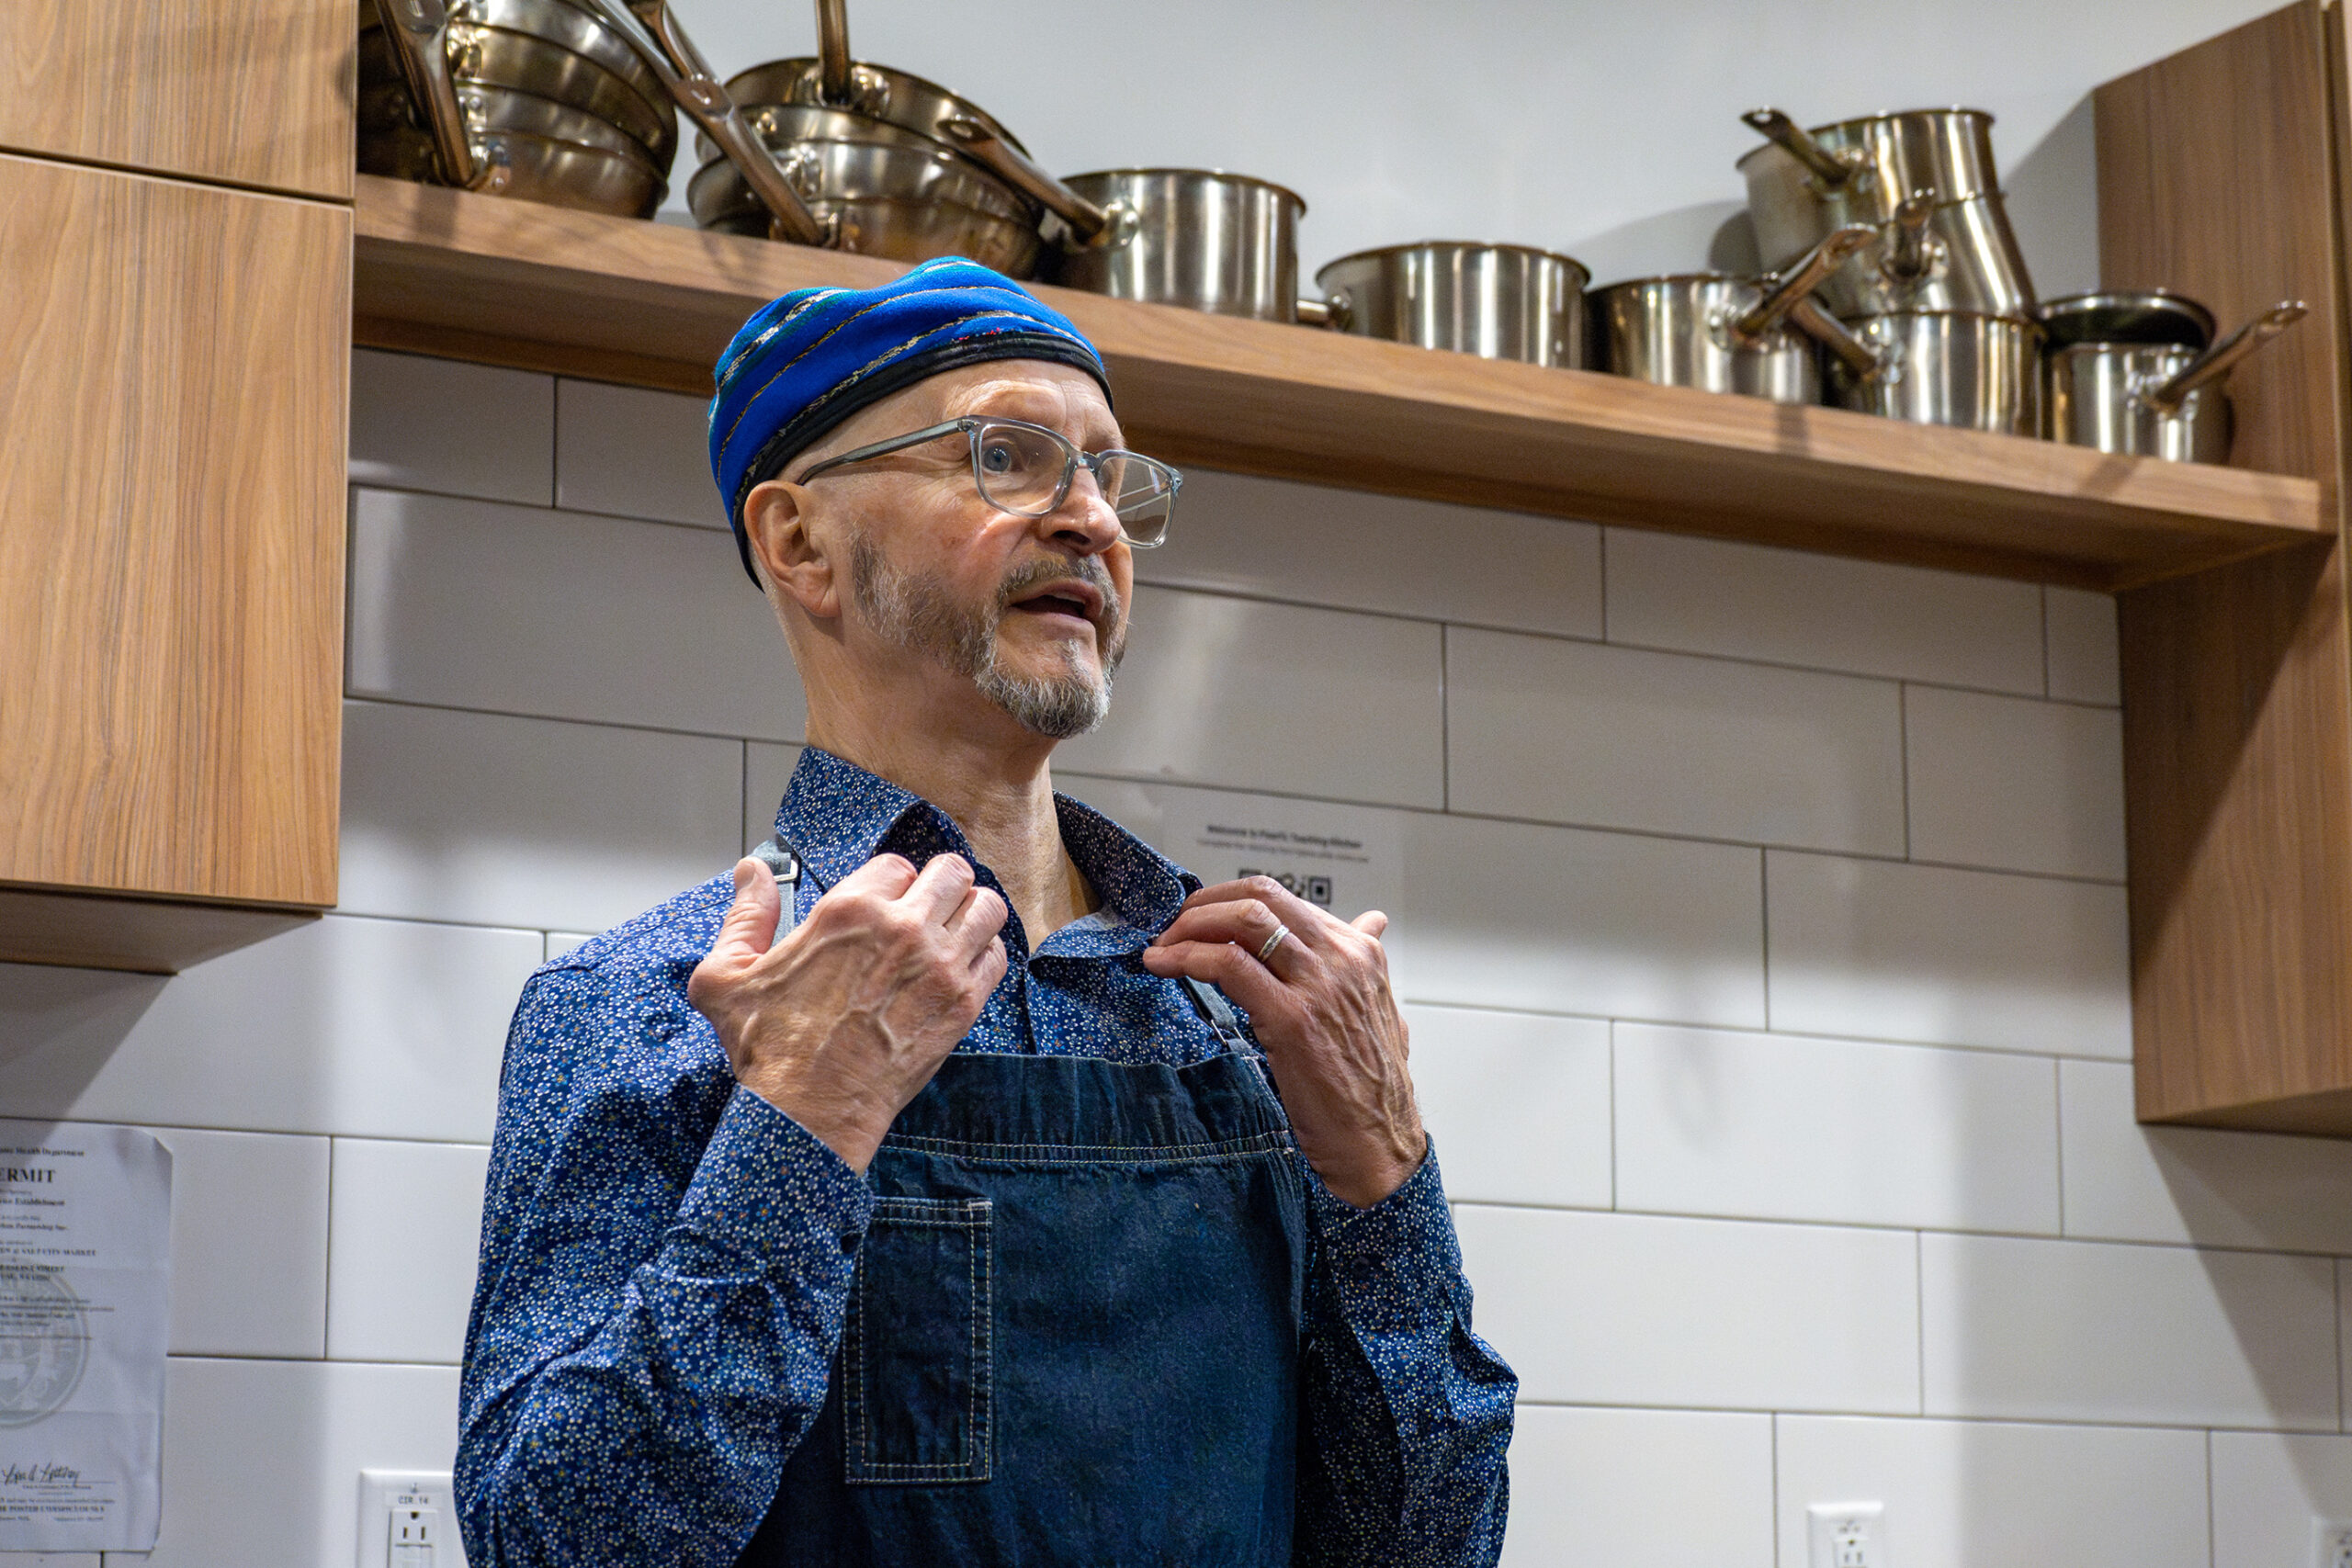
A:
[(1935, 255), (876, 189), (1956, 367), (1498, 302), (2146, 396), (1203, 239), (1759, 336), (1924, 178)]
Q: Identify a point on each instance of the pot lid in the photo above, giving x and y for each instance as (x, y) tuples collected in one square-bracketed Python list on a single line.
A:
[(2142, 316)]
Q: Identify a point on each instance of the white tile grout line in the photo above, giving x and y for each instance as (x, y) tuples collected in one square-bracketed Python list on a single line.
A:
[(1902, 745), (2045, 639), (1764, 929), (326, 1293), (2058, 1133), (1919, 1308), (1445, 715), (1776, 1488), (2211, 1546), (1612, 1115)]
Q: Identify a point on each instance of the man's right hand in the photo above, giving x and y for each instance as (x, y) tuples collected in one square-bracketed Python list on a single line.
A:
[(844, 1021)]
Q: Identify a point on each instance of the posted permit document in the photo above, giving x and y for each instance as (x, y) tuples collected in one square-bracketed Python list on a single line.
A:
[(85, 1224)]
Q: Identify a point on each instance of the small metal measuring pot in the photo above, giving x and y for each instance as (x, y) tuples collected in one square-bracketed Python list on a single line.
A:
[(1725, 334), (2153, 399)]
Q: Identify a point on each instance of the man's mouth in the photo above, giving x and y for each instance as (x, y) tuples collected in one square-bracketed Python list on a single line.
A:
[(1079, 600)]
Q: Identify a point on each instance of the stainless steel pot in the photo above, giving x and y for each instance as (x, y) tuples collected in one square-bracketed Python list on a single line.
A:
[(1759, 336), (2146, 315), (545, 48), (385, 109), (1935, 255), (2154, 399), (1954, 367), (532, 168), (875, 190), (1924, 178), (1802, 183), (1199, 238), (1498, 302)]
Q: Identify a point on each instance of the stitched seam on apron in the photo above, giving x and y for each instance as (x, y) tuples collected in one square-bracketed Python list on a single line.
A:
[(1272, 1142)]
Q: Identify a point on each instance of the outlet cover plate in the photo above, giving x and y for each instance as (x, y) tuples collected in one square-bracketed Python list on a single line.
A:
[(1846, 1535), (381, 1491), (2332, 1543)]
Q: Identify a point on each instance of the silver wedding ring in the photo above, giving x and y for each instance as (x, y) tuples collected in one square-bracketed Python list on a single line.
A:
[(1272, 942)]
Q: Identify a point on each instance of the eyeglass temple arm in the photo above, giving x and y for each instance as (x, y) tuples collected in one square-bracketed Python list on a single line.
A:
[(896, 444)]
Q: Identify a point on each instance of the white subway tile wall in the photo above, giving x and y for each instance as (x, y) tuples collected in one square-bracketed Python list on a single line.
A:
[(2084, 667), (1778, 1059), (1559, 731), (2014, 785)]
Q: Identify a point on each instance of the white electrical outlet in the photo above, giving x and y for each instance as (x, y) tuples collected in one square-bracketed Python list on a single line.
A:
[(408, 1518), (1848, 1535), (2332, 1543)]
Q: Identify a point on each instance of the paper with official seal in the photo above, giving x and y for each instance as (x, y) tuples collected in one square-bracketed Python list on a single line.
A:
[(85, 1221)]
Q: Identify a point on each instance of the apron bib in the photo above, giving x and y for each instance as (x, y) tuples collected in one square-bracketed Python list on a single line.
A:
[(1073, 1335)]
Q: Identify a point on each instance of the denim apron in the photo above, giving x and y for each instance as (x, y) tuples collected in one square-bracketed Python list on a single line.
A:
[(1073, 1334)]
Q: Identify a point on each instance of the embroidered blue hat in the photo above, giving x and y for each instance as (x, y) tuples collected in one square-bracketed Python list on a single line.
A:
[(809, 360)]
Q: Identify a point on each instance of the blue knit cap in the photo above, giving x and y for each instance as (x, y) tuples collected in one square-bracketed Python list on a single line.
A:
[(809, 360)]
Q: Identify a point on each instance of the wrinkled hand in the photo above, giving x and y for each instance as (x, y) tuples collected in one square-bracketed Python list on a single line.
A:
[(1321, 1007), (844, 1021)]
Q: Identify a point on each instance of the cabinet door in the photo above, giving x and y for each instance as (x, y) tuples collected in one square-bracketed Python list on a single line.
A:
[(173, 364), (251, 91)]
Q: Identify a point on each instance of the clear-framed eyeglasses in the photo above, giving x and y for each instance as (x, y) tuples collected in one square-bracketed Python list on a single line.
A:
[(1027, 469)]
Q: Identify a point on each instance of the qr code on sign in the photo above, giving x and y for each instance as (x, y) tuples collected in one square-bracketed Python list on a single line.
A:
[(1314, 889)]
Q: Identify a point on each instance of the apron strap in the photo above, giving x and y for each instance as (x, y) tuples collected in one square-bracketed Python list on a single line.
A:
[(784, 862)]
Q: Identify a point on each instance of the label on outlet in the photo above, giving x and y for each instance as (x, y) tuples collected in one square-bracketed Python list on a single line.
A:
[(1846, 1535), (408, 1518)]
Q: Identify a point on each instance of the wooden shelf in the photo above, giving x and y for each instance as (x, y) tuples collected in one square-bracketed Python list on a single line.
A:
[(508, 282)]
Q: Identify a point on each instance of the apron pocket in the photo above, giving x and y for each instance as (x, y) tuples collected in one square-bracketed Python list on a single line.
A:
[(916, 1400)]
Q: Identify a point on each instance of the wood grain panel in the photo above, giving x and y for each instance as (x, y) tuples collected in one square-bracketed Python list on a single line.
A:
[(256, 93), (518, 283), (2217, 178), (174, 383), (148, 936)]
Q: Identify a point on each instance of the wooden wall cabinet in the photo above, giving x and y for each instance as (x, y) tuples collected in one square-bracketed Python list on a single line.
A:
[(256, 93), (174, 369), (2221, 171)]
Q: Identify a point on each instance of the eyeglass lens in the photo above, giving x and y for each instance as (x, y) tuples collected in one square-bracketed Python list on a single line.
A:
[(1022, 471)]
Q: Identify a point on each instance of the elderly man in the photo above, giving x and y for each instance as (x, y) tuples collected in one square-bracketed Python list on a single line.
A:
[(915, 1196)]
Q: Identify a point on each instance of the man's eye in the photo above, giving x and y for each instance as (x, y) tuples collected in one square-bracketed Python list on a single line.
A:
[(1000, 457)]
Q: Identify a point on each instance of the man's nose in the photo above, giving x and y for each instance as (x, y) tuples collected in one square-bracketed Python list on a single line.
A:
[(1084, 521)]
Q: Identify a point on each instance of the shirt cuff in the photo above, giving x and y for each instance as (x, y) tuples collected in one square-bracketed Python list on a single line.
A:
[(1395, 1264), (770, 1190)]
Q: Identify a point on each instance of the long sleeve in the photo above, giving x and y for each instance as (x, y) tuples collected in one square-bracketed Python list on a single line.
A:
[(1407, 1414), (665, 1261)]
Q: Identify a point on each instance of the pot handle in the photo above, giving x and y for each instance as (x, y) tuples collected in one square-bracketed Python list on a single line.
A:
[(1334, 314), (1808, 317), (2217, 361), (1910, 253), (1801, 279), (834, 86), (652, 29), (993, 153), (1833, 170), (418, 30)]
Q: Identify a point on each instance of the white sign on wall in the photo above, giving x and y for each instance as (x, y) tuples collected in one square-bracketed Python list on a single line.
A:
[(1346, 858), (85, 1223)]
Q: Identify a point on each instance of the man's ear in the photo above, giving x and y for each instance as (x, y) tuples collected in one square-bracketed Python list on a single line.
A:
[(792, 559)]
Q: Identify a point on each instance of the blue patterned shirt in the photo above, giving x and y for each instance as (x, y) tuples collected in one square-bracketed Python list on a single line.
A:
[(666, 1257)]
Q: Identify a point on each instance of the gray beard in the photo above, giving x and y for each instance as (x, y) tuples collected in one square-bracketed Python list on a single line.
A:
[(915, 611)]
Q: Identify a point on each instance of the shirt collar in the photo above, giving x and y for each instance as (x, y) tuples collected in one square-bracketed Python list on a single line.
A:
[(838, 816)]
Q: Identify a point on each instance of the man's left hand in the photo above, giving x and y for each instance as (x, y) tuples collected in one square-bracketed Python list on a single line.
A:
[(1320, 1005)]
